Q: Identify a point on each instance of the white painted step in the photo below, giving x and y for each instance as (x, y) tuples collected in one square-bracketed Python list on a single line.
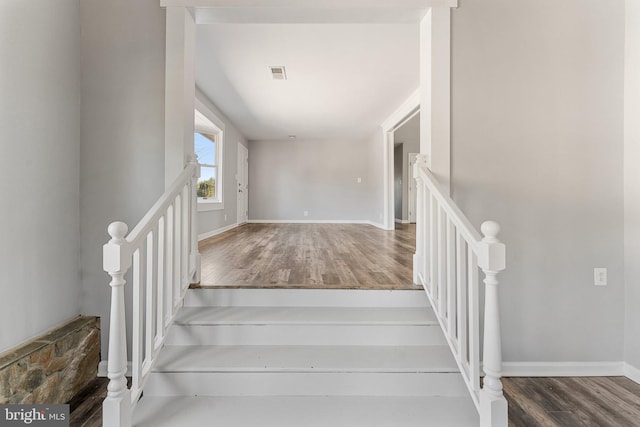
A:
[(306, 371), (417, 335), (285, 358), (226, 384), (306, 412), (305, 298), (306, 315), (305, 357), (305, 326)]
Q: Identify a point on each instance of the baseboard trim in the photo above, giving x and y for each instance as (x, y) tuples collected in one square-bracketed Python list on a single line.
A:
[(218, 231), (402, 221), (632, 373), (563, 369), (315, 221), (102, 368), (377, 225)]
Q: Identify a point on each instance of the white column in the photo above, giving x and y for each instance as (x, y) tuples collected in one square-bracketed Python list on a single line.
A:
[(435, 90), (493, 405), (116, 407), (179, 90)]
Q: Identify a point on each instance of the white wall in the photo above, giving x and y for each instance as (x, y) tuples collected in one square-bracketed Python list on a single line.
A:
[(39, 178), (210, 222), (632, 184), (537, 144), (288, 177), (122, 126), (409, 135)]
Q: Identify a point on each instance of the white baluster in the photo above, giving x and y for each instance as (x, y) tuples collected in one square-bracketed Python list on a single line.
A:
[(194, 252), (116, 261), (493, 405)]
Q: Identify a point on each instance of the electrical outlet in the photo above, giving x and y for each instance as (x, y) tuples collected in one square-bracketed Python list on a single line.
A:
[(359, 180), (306, 213), (600, 276)]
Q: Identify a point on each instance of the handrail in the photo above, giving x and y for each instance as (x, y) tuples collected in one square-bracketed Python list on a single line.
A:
[(163, 251), (156, 211), (449, 253)]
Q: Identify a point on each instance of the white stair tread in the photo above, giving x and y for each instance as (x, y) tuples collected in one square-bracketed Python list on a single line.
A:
[(305, 411), (305, 315), (286, 358)]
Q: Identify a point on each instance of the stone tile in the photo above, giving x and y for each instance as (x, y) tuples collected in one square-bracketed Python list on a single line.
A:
[(73, 326), (53, 368), (13, 355)]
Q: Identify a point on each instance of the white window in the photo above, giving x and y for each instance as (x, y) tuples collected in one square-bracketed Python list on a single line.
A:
[(207, 144)]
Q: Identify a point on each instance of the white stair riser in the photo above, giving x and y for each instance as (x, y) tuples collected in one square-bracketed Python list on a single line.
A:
[(304, 298), (305, 335), (315, 411), (304, 384)]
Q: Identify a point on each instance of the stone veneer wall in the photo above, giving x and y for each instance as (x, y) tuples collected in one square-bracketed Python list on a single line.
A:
[(54, 367)]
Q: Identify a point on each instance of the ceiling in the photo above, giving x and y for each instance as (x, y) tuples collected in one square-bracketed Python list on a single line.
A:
[(343, 81)]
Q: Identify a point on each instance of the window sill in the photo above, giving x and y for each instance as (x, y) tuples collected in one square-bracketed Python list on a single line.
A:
[(209, 205)]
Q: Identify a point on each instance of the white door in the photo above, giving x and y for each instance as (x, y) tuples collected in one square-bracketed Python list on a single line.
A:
[(413, 189), (243, 184)]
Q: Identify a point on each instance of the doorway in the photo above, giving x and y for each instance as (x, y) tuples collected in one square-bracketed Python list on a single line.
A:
[(406, 140), (243, 184)]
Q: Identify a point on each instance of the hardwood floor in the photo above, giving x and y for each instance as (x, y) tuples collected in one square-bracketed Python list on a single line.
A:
[(329, 256), (533, 402), (573, 402), (86, 407)]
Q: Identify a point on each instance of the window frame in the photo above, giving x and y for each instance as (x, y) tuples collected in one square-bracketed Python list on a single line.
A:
[(207, 123)]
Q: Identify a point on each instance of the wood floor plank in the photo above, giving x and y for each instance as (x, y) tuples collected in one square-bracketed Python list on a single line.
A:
[(573, 401), (612, 408), (627, 384), (524, 407), (332, 256)]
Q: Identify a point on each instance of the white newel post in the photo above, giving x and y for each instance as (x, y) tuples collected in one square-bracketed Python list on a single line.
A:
[(493, 405), (117, 405), (194, 252)]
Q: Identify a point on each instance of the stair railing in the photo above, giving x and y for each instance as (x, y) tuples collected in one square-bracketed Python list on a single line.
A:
[(449, 253), (163, 251)]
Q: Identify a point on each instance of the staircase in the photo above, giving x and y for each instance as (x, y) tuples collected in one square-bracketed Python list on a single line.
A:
[(287, 357)]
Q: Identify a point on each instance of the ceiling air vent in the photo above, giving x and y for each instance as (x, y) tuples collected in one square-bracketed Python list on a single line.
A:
[(278, 73)]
